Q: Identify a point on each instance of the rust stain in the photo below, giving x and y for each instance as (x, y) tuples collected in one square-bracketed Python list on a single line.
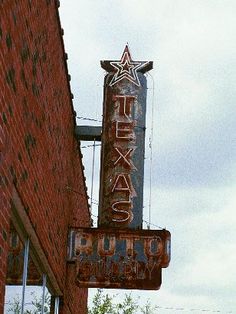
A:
[(120, 258), (123, 143)]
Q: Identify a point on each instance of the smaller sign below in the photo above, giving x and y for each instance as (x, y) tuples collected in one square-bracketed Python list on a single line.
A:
[(125, 259)]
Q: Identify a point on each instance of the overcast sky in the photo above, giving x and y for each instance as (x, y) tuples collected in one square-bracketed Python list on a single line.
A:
[(193, 47)]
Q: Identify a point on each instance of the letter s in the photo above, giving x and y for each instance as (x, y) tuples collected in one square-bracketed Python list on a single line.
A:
[(127, 215)]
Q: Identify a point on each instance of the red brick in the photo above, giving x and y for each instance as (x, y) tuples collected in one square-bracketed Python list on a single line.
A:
[(39, 153)]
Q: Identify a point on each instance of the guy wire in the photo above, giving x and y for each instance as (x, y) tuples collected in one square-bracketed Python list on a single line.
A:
[(151, 160), (93, 164)]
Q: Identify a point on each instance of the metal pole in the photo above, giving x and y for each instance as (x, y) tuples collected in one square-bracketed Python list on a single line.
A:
[(56, 309), (25, 273), (93, 164), (151, 155), (44, 291)]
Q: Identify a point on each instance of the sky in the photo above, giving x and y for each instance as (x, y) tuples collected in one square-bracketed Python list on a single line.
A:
[(192, 91)]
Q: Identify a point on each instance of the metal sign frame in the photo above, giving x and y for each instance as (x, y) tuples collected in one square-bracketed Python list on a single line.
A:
[(123, 143), (119, 253), (118, 258)]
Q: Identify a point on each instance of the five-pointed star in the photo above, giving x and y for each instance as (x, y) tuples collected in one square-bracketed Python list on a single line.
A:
[(126, 68)]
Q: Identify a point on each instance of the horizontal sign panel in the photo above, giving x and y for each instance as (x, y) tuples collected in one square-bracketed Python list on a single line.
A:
[(126, 259)]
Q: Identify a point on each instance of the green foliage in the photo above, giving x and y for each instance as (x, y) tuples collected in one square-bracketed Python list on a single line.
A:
[(148, 308), (15, 306), (36, 305), (128, 306), (105, 304), (102, 304)]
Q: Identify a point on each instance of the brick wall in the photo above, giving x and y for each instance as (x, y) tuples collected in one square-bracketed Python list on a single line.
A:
[(39, 156)]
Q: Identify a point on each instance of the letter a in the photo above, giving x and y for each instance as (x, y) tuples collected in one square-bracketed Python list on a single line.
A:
[(121, 183)]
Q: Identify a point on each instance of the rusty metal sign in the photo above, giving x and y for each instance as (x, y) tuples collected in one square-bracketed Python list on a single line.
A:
[(127, 259), (123, 136), (119, 254)]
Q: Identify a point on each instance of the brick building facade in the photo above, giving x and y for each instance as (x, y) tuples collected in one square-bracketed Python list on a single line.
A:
[(42, 187)]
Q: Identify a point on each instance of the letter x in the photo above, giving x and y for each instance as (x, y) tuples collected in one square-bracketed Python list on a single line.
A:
[(125, 157)]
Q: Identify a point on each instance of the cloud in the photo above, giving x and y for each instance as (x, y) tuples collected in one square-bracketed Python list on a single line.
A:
[(192, 44), (203, 249)]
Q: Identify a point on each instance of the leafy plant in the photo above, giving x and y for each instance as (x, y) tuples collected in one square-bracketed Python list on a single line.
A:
[(101, 304), (36, 304), (105, 304), (15, 306)]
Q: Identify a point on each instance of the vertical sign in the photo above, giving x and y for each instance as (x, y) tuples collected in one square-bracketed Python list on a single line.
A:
[(123, 136), (119, 254)]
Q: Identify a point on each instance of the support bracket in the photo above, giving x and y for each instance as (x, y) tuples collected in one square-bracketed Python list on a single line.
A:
[(88, 133)]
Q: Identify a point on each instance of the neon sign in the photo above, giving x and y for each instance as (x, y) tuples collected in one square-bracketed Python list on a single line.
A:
[(122, 161), (119, 253)]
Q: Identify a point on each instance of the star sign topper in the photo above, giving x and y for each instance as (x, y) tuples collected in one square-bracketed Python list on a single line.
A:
[(126, 68)]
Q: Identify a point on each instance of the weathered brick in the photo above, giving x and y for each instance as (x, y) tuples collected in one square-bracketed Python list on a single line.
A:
[(40, 155)]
